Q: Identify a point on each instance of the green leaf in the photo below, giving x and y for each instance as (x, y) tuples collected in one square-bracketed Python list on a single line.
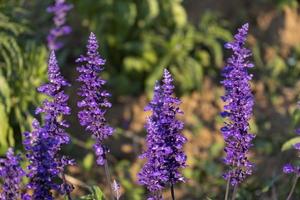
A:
[(290, 143), (6, 139), (125, 13), (179, 14), (88, 161), (135, 64), (149, 10), (96, 194), (277, 65), (5, 92)]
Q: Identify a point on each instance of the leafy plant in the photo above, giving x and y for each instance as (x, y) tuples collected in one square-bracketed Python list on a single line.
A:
[(22, 68), (140, 38)]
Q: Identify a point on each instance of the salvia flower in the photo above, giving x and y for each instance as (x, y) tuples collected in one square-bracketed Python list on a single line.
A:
[(60, 10), (44, 143), (94, 100), (165, 142), (11, 174), (238, 109)]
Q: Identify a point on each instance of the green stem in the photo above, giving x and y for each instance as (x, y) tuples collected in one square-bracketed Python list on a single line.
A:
[(107, 173), (293, 187), (227, 189), (234, 192)]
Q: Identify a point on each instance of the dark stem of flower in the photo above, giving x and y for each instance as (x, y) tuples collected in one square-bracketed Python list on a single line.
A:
[(107, 173), (293, 187), (172, 192), (234, 192), (69, 196), (227, 189)]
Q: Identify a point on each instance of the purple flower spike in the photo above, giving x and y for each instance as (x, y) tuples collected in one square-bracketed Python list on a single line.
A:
[(60, 10), (238, 109), (11, 173), (44, 143), (165, 154), (94, 100)]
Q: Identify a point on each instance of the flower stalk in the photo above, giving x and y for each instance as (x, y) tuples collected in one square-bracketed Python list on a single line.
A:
[(293, 187), (94, 102)]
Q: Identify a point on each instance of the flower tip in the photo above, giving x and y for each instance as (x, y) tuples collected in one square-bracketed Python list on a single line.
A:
[(166, 71), (167, 74), (92, 36), (244, 29), (52, 54), (92, 43), (52, 58), (246, 26)]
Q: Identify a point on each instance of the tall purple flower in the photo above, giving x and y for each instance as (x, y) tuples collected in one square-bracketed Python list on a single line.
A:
[(60, 10), (44, 143), (164, 152), (11, 173), (238, 109), (94, 100)]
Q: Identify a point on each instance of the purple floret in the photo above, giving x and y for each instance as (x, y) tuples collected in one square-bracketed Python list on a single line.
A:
[(165, 142), (238, 109), (11, 174), (44, 143), (288, 168), (60, 10), (94, 102)]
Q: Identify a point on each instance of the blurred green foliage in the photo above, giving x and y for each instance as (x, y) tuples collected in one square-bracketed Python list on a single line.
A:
[(96, 194), (133, 191), (289, 144), (22, 69), (140, 38), (291, 3), (277, 71)]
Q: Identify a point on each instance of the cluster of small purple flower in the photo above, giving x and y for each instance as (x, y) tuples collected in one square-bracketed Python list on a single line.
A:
[(95, 99), (165, 154), (238, 109), (12, 174), (44, 143)]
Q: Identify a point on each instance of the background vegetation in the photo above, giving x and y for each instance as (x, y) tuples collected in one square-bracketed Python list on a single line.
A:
[(139, 38)]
